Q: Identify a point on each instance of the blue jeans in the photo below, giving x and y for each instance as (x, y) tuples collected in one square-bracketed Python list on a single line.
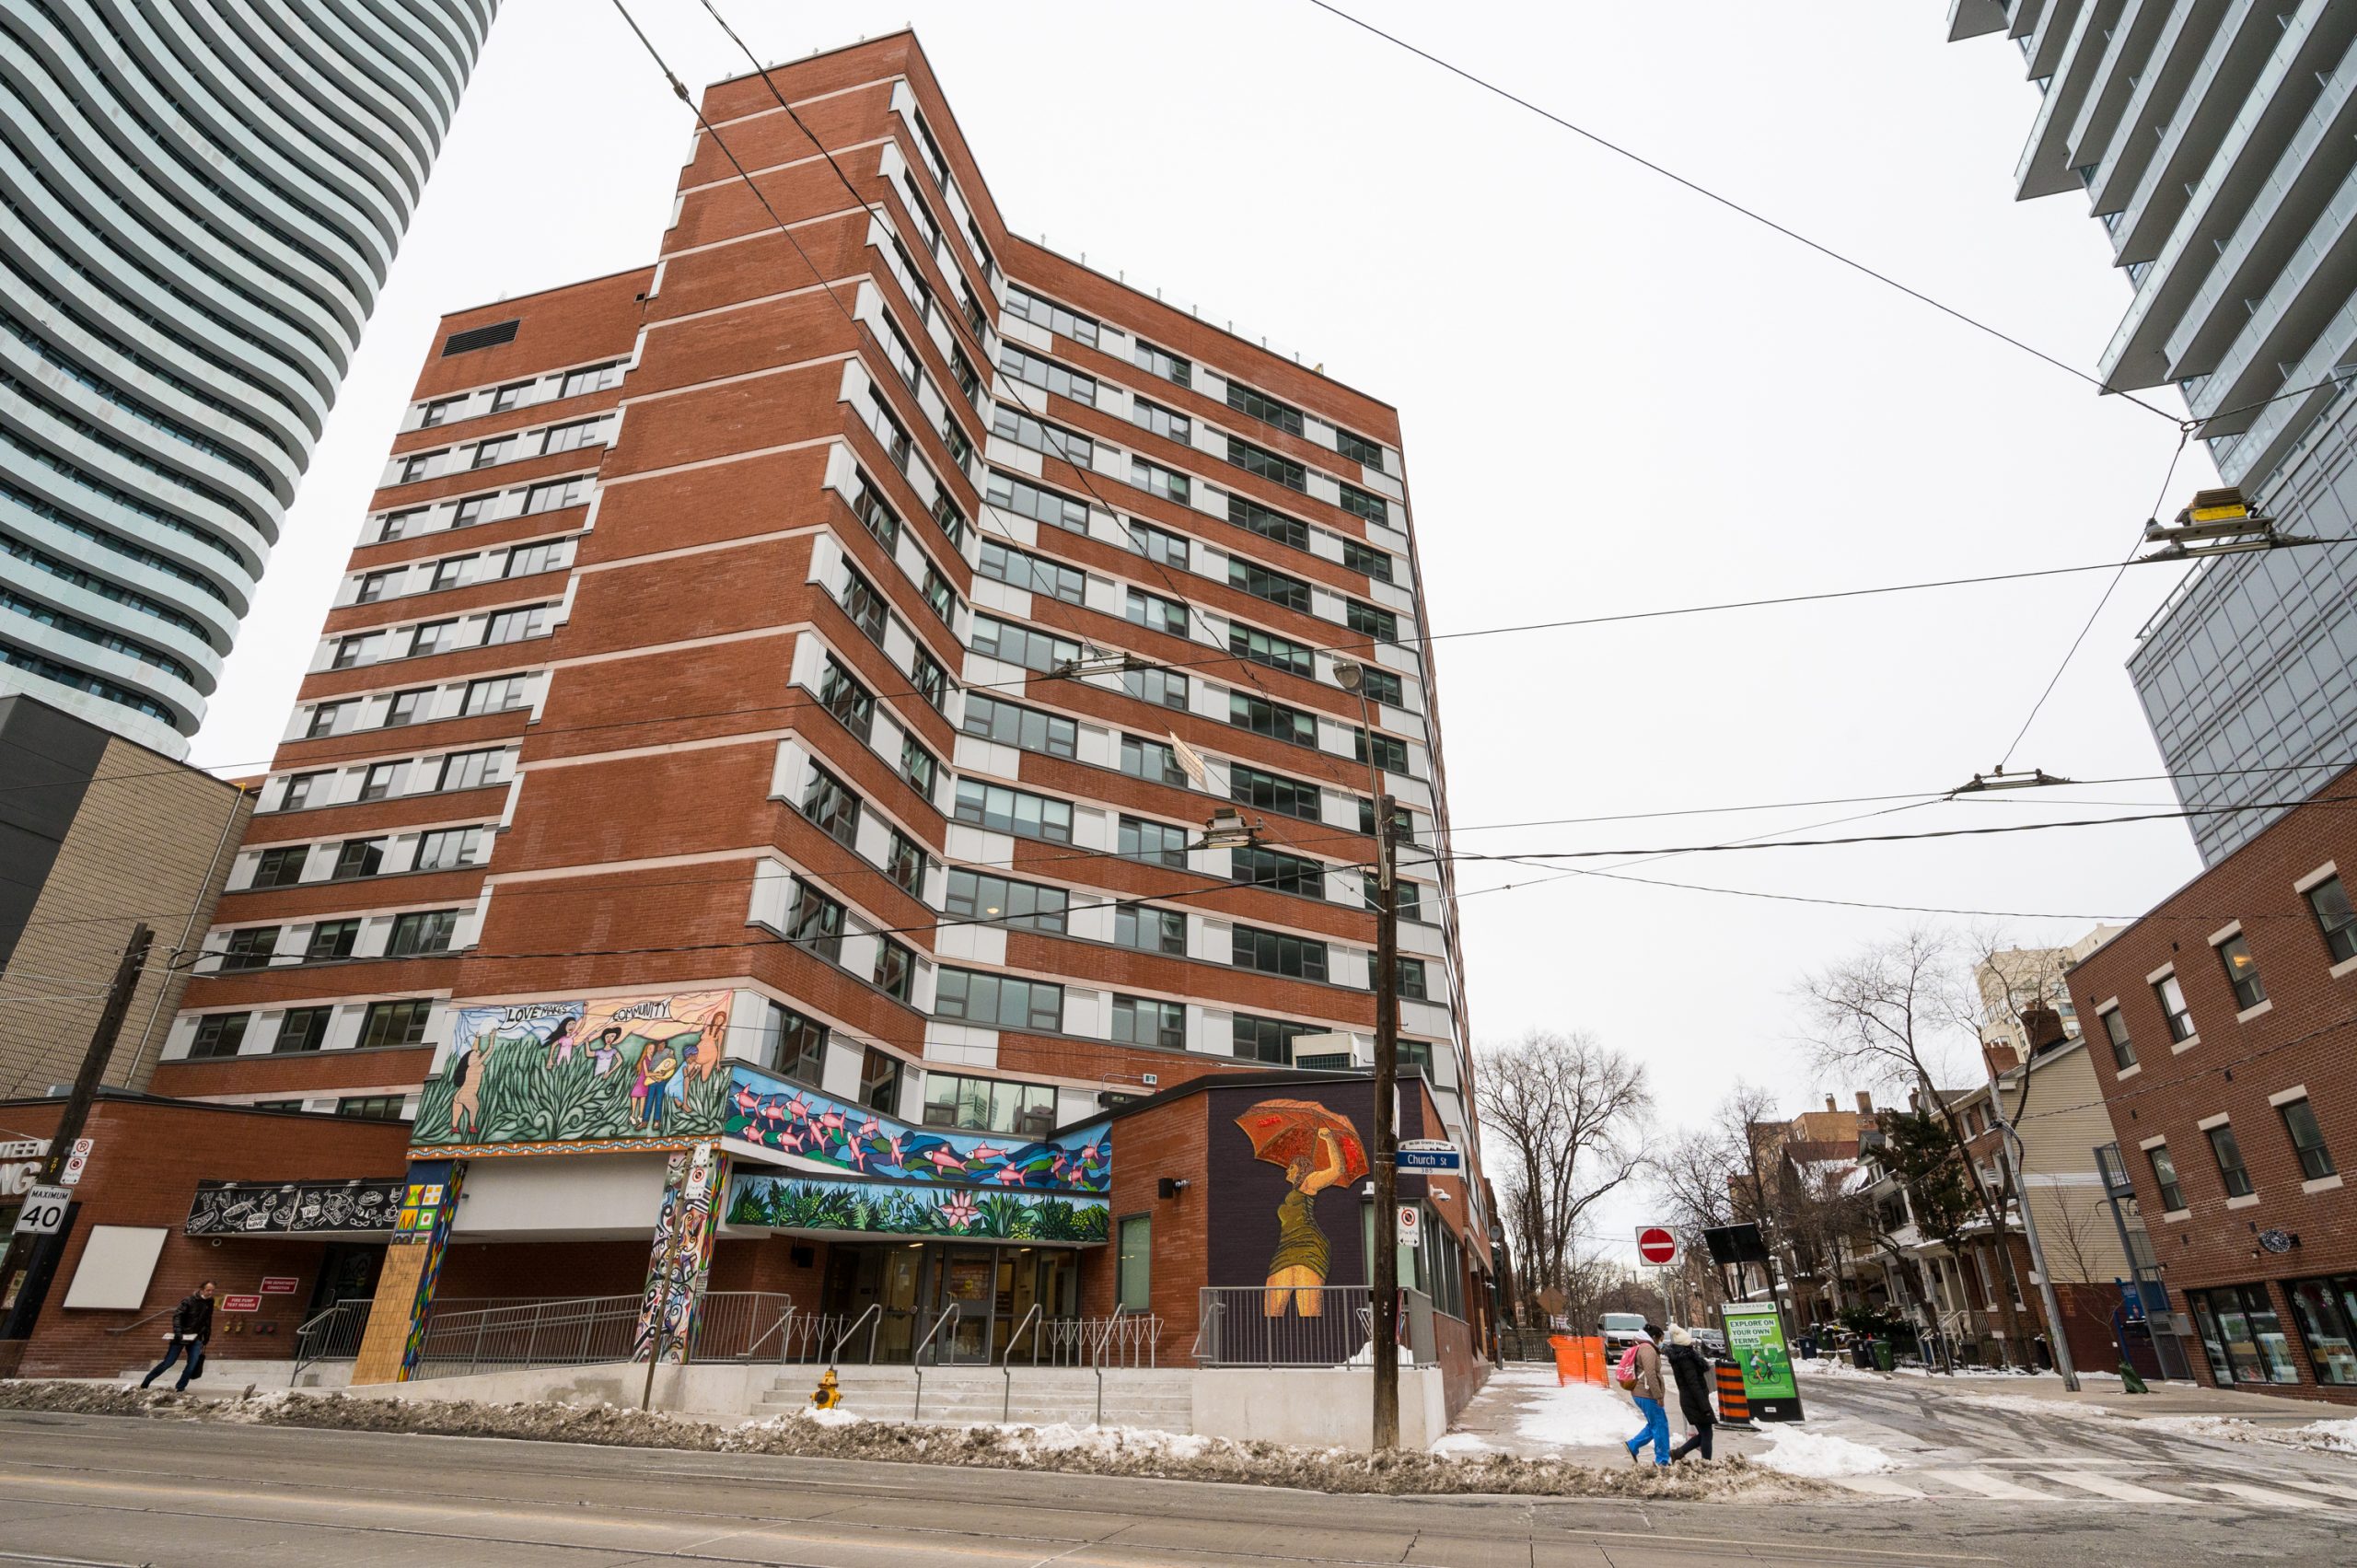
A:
[(1656, 1431), (195, 1364)]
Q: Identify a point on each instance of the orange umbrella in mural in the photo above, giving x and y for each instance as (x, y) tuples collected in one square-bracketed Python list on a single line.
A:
[(1284, 1131), (1317, 1149)]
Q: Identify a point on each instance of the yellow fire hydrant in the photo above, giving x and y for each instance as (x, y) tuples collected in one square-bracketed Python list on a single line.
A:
[(829, 1396)]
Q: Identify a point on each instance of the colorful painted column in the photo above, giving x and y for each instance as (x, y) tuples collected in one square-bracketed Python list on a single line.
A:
[(681, 1259), (396, 1332)]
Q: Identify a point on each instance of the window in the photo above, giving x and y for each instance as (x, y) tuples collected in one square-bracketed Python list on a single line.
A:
[(827, 802), (890, 431), (1267, 522), (865, 605), (1152, 760), (1404, 821), (437, 412), (422, 931), (530, 560), (1376, 564), (927, 678), (218, 1034), (2327, 1313), (1276, 952), (1054, 440), (1358, 449), (1135, 1272), (2328, 901), (905, 863), (1040, 504), (948, 518), (433, 637), (1273, 719), (472, 510), (846, 699), (1369, 621), (1410, 897), (511, 395), (1390, 753), (407, 707), (303, 1028), (1163, 363), (350, 651), (1261, 583), (1159, 545), (590, 378), (918, 766), (1150, 930), (1156, 842), (879, 1081), (876, 515), (1154, 614), (1275, 868), (1047, 313), (515, 626), (1033, 650), (1026, 906), (1272, 792), (2115, 1030), (988, 1104), (493, 450), (2242, 1334), (331, 939), (1366, 508), (397, 523), (2307, 1139), (1412, 979), (448, 848), (550, 494), (300, 790), (1264, 408), (1265, 464), (1047, 375), (395, 1023), (814, 923), (323, 719), (1156, 479), (371, 1108), (467, 770), (1267, 1040), (1164, 688), (1138, 1020), (572, 437), (1268, 648), (281, 866), (2228, 1152), (1031, 573), (2172, 1000), (1165, 423), (414, 467), (1028, 729), (495, 694), (1013, 812), (2164, 1177), (896, 969), (359, 857), (448, 574), (376, 584), (2242, 972), (377, 783), (1001, 1000), (1382, 686)]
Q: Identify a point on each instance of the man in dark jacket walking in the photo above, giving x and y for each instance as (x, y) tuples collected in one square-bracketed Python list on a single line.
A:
[(1693, 1372), (192, 1326)]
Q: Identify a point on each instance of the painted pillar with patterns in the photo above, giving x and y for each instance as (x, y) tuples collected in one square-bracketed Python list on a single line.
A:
[(680, 1260), (390, 1347)]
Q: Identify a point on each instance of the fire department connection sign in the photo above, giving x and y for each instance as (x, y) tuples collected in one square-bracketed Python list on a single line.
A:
[(1657, 1245)]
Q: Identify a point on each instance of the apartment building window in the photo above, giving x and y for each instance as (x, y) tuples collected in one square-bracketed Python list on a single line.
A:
[(948, 518), (1001, 1001), (495, 694), (1367, 620), (471, 511), (1035, 502), (1264, 408), (2242, 972), (845, 698), (1057, 318), (407, 707), (1024, 906), (814, 923), (1390, 753), (928, 679), (1032, 574), (918, 766), (350, 651), (1268, 522), (448, 574), (438, 410), (515, 626), (281, 866), (1273, 719), (1376, 564), (590, 378), (377, 782), (896, 969), (300, 790), (988, 1104), (1167, 423), (1159, 545), (2172, 1000), (1027, 729), (1272, 792), (2115, 1030), (511, 395), (1264, 464), (467, 769), (302, 1029), (827, 802), (876, 515), (904, 863), (1139, 1020), (550, 494), (1409, 897), (331, 940), (572, 437), (1358, 449), (323, 719), (2307, 1139), (1152, 760), (218, 1034), (2164, 1177), (358, 857), (1053, 440), (446, 849), (1275, 869), (376, 584), (1404, 821), (433, 637), (397, 523), (1412, 979), (1278, 952), (1150, 930), (1382, 686), (491, 450), (1154, 614), (416, 466), (903, 361), (371, 1108), (1156, 479), (2228, 1152), (395, 1023), (1267, 1040), (791, 1045), (2328, 901), (1164, 688), (939, 597), (1161, 362), (1004, 810), (1047, 375), (423, 931), (866, 606), (1034, 650), (1261, 583), (530, 559), (1157, 843), (879, 1081), (1268, 648), (1365, 506)]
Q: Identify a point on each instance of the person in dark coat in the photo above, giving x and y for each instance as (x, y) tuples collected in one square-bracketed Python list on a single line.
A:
[(1692, 1370), (192, 1326)]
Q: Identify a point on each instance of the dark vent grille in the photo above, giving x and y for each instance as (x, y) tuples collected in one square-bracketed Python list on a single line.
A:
[(480, 337)]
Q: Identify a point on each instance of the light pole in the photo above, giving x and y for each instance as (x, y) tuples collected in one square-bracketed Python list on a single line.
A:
[(2009, 1145)]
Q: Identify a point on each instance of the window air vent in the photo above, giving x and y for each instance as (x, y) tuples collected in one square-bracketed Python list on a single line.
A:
[(480, 337)]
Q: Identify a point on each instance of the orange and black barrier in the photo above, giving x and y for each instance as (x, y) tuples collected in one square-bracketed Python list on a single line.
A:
[(1735, 1405)]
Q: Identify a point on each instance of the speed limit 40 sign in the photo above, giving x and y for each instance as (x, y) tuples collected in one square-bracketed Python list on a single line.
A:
[(44, 1210)]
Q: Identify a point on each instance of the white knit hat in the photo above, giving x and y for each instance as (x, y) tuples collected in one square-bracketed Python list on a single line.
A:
[(1680, 1337)]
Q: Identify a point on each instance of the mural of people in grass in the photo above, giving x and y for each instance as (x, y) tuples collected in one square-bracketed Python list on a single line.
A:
[(534, 1072), (809, 1126), (786, 1203)]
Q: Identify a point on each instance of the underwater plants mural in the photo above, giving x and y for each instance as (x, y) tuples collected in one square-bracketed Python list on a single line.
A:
[(815, 1128), (788, 1203)]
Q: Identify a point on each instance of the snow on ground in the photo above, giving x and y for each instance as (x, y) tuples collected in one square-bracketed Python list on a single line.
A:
[(1820, 1455), (2333, 1437), (1464, 1445), (1827, 1366), (2322, 1437), (2029, 1404), (1578, 1416)]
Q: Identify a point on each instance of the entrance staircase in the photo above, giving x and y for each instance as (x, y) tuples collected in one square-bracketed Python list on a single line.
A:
[(1161, 1399)]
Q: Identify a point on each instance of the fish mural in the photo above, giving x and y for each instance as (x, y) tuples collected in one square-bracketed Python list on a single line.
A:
[(812, 1127)]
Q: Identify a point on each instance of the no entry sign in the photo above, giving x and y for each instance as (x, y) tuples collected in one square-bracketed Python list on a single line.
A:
[(1657, 1245)]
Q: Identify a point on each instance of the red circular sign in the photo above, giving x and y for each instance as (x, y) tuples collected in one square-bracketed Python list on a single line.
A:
[(1655, 1245)]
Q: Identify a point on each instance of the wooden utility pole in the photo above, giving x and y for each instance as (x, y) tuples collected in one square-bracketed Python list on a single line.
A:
[(1385, 1284)]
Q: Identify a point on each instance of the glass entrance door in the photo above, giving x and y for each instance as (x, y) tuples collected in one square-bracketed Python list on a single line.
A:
[(966, 1278)]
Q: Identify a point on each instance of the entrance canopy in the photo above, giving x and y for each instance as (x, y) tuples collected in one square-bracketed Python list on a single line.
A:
[(360, 1207)]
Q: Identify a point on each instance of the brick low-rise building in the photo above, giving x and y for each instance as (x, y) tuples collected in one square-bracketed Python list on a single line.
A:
[(2222, 1027)]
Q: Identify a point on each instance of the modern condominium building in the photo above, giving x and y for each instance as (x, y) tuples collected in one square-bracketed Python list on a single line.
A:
[(2217, 142), (758, 765), (198, 205)]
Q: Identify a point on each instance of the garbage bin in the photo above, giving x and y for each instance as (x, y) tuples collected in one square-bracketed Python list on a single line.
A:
[(1881, 1355), (1862, 1356)]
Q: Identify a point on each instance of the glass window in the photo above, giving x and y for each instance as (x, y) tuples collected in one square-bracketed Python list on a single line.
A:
[(845, 698), (1035, 650), (1382, 686), (1163, 363), (1390, 752), (879, 1081), (1035, 502), (377, 783), (437, 412), (1365, 506), (422, 931), (1163, 688), (896, 969), (433, 637), (395, 1023), (407, 707), (2164, 1177), (590, 378), (1155, 842), (866, 606), (1358, 449), (1267, 522), (1047, 375), (303, 1028), (1261, 583), (1014, 811), (1047, 313), (1001, 1000), (1139, 1020), (218, 1034), (906, 863), (1150, 930), (1376, 564), (1264, 408), (1268, 648), (1159, 545), (988, 1104), (497, 694), (530, 560), (511, 395), (1412, 979), (300, 790), (1152, 760), (1053, 440), (371, 1108), (1032, 574), (928, 679), (1369, 621), (876, 515), (1165, 423), (1154, 614), (375, 585), (1264, 464), (550, 494), (1156, 479), (1267, 1039), (493, 450), (445, 848), (2327, 1313), (2328, 901), (281, 866), (2243, 1335), (359, 857), (2242, 972), (448, 574), (472, 510), (1028, 906), (2115, 1028), (323, 719), (1272, 792), (918, 766), (570, 437), (1278, 952), (515, 626), (814, 923), (2228, 1152), (1275, 868), (2172, 1000), (250, 948), (1273, 719), (1028, 729), (827, 802), (2307, 1139), (1136, 1266), (467, 769)]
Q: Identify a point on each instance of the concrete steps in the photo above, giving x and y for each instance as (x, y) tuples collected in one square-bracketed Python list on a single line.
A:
[(231, 1377), (953, 1396)]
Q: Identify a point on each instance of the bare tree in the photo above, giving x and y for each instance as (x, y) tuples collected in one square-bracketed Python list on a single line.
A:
[(1565, 1112)]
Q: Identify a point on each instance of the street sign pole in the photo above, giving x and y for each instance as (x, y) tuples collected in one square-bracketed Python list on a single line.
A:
[(1386, 1282)]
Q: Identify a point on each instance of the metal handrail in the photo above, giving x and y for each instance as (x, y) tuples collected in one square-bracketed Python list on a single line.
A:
[(1099, 1360), (1005, 1369), (916, 1357), (778, 1329), (142, 1322), (875, 1311), (311, 1341)]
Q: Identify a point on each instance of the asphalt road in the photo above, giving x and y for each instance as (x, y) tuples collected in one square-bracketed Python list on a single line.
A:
[(116, 1490)]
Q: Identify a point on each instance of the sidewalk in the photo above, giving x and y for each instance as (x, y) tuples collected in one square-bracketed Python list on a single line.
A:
[(1521, 1411), (2103, 1390)]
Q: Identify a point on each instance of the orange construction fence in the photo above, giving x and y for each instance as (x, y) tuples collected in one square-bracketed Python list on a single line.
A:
[(1578, 1359)]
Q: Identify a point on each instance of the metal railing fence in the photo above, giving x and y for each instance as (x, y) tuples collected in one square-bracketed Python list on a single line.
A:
[(333, 1334), (1322, 1326)]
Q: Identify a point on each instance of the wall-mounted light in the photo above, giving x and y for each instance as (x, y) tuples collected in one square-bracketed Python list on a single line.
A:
[(1170, 1186)]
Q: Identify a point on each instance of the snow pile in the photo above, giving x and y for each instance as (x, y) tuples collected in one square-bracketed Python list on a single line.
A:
[(1834, 1367), (2322, 1437), (1464, 1445), (835, 1417), (1578, 1416), (2332, 1436), (1820, 1455)]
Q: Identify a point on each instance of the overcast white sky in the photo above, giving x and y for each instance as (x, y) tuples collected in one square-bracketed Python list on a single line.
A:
[(1615, 396)]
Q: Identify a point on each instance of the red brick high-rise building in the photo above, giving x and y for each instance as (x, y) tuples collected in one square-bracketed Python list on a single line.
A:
[(776, 702)]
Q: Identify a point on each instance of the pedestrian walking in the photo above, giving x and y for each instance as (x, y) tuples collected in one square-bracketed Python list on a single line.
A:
[(192, 1326), (1641, 1375), (1694, 1373)]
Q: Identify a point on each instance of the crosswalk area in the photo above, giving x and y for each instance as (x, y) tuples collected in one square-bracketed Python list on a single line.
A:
[(2085, 1484)]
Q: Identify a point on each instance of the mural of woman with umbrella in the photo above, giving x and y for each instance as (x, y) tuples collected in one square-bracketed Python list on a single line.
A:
[(1317, 1149)]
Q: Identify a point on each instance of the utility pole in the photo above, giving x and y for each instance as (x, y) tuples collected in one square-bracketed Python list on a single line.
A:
[(1387, 1179), (2008, 1147)]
